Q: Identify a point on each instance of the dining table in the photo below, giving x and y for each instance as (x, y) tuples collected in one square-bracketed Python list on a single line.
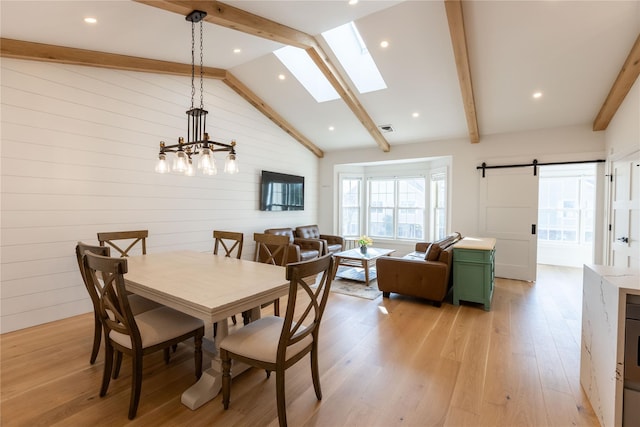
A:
[(209, 287)]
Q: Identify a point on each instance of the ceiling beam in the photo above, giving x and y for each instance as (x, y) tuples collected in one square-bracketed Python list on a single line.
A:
[(19, 49), (459, 41), (621, 87), (237, 19), (242, 90)]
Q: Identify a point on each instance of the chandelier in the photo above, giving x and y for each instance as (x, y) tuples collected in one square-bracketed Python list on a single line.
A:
[(198, 144)]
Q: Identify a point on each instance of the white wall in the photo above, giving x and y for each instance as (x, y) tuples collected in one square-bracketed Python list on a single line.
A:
[(562, 144), (78, 149)]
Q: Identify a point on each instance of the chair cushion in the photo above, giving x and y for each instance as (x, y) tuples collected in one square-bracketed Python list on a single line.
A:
[(307, 254), (159, 325), (259, 340)]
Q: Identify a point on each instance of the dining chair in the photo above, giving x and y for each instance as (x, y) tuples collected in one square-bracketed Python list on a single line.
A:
[(275, 343), (135, 335), (138, 304), (133, 237), (271, 249), (230, 241)]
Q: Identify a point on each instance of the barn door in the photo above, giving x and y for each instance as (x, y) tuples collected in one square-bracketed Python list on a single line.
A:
[(508, 211), (624, 234)]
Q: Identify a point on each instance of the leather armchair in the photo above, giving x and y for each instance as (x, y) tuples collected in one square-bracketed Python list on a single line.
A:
[(425, 273), (331, 243), (299, 249)]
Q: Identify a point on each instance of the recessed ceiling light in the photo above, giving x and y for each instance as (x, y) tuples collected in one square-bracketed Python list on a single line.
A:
[(90, 20), (237, 50), (384, 43), (281, 76), (352, 2), (331, 128), (537, 95), (416, 114)]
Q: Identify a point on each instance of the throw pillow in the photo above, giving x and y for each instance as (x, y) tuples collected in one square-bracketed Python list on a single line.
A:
[(433, 253)]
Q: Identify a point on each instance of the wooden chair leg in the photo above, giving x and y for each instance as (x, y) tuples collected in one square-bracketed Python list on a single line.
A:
[(315, 372), (246, 317), (108, 366), (276, 307), (226, 378), (280, 398), (97, 337), (233, 318), (117, 364), (136, 384), (167, 355)]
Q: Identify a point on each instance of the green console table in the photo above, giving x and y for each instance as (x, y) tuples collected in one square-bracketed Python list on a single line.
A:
[(473, 270)]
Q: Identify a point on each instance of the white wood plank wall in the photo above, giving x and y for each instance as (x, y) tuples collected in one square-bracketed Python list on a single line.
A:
[(78, 149)]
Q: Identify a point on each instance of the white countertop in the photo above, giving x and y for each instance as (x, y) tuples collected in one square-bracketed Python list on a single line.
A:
[(625, 279), (477, 243)]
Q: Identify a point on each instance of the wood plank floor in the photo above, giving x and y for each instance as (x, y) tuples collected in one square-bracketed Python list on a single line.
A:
[(387, 362)]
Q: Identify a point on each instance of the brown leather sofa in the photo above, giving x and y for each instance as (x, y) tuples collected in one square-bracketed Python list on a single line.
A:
[(299, 249), (425, 273), (332, 244)]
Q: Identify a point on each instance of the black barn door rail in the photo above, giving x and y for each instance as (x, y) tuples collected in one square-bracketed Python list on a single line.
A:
[(535, 165)]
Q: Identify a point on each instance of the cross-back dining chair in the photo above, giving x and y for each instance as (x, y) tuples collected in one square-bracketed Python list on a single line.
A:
[(138, 304), (275, 343), (135, 335), (271, 249), (132, 237), (231, 242)]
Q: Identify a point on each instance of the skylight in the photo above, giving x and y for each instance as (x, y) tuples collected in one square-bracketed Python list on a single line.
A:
[(351, 51), (302, 67)]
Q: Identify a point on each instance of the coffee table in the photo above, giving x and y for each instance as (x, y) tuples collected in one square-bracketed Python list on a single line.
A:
[(355, 258)]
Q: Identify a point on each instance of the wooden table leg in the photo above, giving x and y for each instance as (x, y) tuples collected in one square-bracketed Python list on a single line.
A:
[(365, 265)]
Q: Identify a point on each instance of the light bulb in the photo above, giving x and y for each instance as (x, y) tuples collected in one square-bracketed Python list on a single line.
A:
[(180, 162), (231, 164), (204, 162), (190, 171), (162, 166)]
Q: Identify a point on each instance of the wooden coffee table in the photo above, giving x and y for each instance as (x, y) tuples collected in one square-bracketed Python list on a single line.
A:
[(355, 258)]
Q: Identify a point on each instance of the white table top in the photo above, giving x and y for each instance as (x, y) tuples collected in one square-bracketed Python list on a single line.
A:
[(478, 243), (204, 285)]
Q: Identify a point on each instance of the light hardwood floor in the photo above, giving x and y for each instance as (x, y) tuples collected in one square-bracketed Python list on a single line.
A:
[(387, 362)]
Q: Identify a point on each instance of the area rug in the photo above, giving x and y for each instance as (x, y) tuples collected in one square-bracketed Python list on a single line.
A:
[(353, 287)]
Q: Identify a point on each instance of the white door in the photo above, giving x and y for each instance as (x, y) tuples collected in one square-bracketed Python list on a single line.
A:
[(508, 211), (624, 236)]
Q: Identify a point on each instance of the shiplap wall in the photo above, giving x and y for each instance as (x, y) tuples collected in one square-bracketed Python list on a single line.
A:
[(78, 150)]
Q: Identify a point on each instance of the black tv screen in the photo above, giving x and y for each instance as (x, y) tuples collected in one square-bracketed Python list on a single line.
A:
[(281, 192)]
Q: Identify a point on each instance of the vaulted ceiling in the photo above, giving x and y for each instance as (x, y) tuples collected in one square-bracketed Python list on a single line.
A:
[(467, 69)]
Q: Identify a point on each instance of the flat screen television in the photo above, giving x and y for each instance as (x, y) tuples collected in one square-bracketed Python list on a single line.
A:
[(281, 192)]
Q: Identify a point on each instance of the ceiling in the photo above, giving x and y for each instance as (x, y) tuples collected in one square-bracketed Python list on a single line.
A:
[(570, 51)]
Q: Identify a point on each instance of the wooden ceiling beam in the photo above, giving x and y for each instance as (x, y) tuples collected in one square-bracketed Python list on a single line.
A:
[(328, 69), (621, 87), (461, 54), (231, 17), (236, 19), (10, 48), (242, 90)]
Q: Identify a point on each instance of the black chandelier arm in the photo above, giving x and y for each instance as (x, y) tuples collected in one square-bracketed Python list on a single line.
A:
[(196, 145)]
